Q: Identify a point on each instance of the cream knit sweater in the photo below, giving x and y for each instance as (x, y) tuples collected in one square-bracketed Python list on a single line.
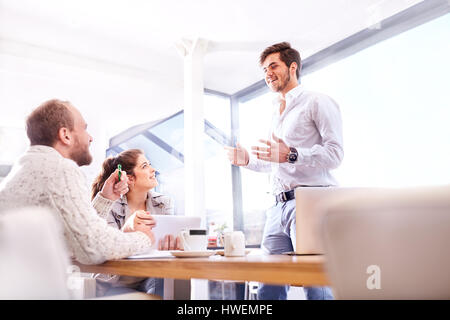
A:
[(42, 177)]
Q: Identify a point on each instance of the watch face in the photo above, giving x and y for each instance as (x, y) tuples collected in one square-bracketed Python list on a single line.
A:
[(292, 157)]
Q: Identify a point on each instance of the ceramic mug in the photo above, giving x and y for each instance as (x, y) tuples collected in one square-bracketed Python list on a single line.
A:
[(234, 244), (194, 239)]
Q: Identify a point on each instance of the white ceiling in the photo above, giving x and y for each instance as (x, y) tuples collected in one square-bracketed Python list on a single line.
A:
[(136, 37)]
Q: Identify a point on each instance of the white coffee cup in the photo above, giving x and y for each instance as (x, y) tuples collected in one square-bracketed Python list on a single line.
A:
[(234, 244), (194, 239)]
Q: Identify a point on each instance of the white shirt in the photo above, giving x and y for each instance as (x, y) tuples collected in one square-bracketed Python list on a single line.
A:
[(311, 123)]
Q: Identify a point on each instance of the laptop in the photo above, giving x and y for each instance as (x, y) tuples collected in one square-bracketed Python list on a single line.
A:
[(309, 202)]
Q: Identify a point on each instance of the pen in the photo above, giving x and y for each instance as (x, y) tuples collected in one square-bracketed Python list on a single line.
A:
[(119, 167)]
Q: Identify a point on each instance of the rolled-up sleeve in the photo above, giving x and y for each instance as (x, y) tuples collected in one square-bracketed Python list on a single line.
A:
[(102, 205)]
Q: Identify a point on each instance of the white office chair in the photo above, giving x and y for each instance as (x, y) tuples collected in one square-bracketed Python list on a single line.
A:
[(389, 244), (34, 261)]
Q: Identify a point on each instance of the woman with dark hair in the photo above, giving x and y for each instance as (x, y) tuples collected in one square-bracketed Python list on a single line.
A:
[(140, 201)]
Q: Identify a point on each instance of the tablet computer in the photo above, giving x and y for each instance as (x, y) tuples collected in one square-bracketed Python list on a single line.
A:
[(168, 224)]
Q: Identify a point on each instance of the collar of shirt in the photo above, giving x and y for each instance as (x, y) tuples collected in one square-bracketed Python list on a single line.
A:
[(294, 93), (150, 202), (290, 96)]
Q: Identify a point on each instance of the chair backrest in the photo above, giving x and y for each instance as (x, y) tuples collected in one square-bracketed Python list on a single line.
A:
[(34, 261), (389, 244)]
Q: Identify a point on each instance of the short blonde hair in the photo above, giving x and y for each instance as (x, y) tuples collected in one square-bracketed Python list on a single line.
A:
[(44, 122)]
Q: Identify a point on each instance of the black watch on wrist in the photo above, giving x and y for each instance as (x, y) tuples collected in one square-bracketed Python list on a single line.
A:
[(292, 155)]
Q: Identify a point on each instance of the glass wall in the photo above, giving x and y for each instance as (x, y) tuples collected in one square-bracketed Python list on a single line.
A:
[(13, 143), (218, 184), (255, 119), (395, 104)]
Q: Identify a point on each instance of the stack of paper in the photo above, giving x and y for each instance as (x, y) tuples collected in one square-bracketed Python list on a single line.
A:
[(152, 255)]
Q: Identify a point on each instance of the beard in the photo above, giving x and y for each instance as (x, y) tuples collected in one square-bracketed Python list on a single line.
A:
[(80, 154), (283, 82)]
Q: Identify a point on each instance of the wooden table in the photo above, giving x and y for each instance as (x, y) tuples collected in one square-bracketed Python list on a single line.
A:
[(271, 269)]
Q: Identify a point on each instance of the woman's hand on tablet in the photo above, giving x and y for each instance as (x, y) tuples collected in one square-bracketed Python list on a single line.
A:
[(140, 221), (169, 242)]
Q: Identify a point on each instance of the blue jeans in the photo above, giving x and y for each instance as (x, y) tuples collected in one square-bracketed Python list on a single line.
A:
[(149, 285), (278, 237), (153, 286)]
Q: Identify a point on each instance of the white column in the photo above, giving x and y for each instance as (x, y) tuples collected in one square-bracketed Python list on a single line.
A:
[(193, 52)]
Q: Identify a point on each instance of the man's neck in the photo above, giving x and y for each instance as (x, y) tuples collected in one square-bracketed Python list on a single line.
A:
[(291, 85), (282, 95), (61, 150), (282, 105)]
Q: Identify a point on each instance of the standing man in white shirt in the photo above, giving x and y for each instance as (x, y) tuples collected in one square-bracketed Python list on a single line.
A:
[(306, 144)]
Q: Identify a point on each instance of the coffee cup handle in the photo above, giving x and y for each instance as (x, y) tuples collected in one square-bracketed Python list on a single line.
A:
[(233, 241), (183, 233)]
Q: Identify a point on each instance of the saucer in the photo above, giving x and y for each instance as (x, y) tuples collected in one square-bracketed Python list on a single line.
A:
[(222, 252), (193, 254)]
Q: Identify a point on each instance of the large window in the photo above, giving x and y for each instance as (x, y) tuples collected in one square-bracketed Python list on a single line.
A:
[(218, 184), (395, 104), (255, 119), (13, 142)]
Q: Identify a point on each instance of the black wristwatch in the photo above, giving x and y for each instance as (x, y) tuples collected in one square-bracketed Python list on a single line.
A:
[(292, 155)]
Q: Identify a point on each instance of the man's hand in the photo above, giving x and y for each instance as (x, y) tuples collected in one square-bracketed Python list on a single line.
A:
[(170, 243), (276, 151), (113, 188), (238, 156), (140, 221)]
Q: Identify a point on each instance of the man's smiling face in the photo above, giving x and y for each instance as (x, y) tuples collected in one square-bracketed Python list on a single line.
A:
[(276, 72)]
